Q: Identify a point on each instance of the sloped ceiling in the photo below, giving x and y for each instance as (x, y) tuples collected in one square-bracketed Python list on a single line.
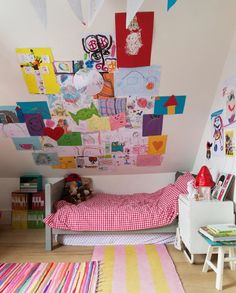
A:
[(190, 42)]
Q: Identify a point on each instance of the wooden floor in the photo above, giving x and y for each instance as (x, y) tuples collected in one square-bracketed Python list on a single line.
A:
[(28, 245)]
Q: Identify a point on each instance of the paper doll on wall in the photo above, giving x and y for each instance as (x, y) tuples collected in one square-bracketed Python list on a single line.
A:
[(218, 132)]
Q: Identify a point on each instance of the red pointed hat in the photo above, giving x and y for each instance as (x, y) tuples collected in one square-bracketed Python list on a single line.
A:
[(204, 178)]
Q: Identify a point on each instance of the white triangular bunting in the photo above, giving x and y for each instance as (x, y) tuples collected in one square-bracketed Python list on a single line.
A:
[(94, 8), (41, 9), (132, 8), (77, 9)]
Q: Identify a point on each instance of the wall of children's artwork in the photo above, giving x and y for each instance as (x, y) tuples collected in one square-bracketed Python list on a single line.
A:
[(99, 95), (217, 149)]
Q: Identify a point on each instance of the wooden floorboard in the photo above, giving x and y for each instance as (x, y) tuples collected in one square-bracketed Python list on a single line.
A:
[(28, 245)]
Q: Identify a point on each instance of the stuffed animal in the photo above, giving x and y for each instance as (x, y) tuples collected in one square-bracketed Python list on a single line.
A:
[(84, 192), (77, 189)]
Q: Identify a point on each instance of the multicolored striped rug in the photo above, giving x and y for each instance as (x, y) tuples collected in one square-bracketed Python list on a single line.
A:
[(136, 269), (49, 277)]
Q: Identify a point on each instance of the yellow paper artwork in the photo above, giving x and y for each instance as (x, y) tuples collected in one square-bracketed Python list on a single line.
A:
[(98, 123), (66, 163), (157, 144), (37, 68)]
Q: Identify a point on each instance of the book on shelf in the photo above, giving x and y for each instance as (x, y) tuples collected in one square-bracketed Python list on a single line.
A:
[(214, 237), (223, 229)]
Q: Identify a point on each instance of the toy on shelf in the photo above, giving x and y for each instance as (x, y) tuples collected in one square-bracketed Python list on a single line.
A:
[(77, 189)]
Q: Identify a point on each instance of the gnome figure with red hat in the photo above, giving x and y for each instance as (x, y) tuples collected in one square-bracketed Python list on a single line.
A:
[(204, 183)]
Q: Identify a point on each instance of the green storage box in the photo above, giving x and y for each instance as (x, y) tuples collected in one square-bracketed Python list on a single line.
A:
[(35, 219)]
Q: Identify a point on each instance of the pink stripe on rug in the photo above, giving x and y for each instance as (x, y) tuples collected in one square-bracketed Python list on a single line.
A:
[(169, 269), (146, 282), (119, 273), (98, 253)]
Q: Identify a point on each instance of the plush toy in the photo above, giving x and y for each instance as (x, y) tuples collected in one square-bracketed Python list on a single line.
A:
[(77, 189), (84, 192)]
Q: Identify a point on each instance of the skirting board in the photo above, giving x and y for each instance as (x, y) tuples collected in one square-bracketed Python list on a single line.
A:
[(5, 217)]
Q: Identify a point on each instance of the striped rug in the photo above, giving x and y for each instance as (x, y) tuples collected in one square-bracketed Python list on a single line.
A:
[(137, 269), (49, 277)]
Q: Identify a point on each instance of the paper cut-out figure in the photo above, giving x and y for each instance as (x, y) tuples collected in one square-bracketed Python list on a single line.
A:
[(84, 114)]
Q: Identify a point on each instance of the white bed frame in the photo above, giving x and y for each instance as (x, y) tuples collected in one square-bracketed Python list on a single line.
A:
[(53, 193)]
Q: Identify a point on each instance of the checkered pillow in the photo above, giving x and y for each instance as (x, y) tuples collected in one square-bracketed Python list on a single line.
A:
[(181, 182)]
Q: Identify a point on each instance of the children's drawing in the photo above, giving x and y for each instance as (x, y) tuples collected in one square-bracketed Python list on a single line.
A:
[(157, 144), (27, 143), (105, 163), (77, 65), (98, 123), (217, 132), (88, 82), (54, 133), (15, 130), (117, 121), (149, 160), (108, 87), (208, 149), (112, 106), (169, 105), (68, 151), (40, 107), (48, 144), (140, 149), (80, 162), (8, 115), (63, 66), (57, 106), (84, 114), (70, 139), (134, 44), (92, 138), (99, 48), (229, 143), (92, 151), (117, 146), (37, 68), (35, 124), (66, 163), (152, 124), (49, 159), (90, 162), (142, 81)]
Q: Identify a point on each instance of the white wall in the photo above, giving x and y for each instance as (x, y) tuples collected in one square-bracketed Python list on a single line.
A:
[(190, 42), (218, 163)]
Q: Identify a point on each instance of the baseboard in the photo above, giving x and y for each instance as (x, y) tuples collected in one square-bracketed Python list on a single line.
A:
[(5, 217)]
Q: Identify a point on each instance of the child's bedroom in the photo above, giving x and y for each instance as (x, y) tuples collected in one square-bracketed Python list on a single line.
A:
[(117, 139)]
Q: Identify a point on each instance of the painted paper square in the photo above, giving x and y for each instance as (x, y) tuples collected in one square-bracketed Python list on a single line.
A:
[(157, 144), (152, 124)]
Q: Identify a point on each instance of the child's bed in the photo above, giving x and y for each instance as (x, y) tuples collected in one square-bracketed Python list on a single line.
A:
[(143, 212)]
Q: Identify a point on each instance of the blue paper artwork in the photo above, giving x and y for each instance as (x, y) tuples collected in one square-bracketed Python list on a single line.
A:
[(50, 159), (8, 115), (27, 143), (35, 108), (170, 3), (169, 105), (139, 81)]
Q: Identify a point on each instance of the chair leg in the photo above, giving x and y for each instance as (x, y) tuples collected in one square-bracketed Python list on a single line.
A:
[(220, 268), (232, 255), (207, 259)]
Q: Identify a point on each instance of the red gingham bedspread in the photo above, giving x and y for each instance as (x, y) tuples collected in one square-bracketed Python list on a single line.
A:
[(110, 212)]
